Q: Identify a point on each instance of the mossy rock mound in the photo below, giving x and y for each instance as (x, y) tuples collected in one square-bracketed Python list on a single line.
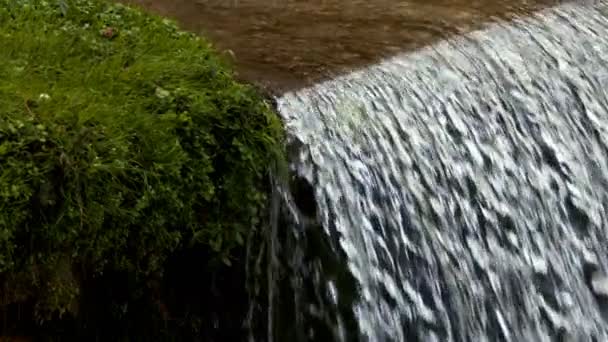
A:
[(122, 140)]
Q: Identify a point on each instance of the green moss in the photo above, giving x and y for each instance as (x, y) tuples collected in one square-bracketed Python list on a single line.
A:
[(122, 139)]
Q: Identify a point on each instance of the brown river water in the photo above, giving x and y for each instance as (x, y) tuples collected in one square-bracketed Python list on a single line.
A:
[(287, 44)]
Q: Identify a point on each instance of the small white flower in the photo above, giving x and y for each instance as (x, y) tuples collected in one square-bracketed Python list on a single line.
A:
[(44, 96), (162, 93)]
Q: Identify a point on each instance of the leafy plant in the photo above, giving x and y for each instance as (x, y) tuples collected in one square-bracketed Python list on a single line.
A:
[(122, 140)]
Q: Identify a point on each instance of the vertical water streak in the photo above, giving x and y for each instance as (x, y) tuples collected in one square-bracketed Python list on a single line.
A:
[(464, 185)]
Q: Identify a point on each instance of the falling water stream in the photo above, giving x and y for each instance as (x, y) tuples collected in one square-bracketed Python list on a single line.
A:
[(462, 188)]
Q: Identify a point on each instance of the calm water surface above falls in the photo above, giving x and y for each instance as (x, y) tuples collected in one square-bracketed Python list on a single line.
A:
[(463, 187)]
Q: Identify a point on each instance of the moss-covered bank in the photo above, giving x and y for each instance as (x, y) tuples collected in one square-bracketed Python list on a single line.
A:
[(132, 169)]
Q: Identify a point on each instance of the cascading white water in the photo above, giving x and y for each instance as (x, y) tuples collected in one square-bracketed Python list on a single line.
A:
[(467, 183)]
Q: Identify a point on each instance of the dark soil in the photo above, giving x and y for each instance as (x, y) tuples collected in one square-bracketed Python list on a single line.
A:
[(286, 44)]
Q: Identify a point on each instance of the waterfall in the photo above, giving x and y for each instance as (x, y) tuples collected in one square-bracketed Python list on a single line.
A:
[(460, 191)]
